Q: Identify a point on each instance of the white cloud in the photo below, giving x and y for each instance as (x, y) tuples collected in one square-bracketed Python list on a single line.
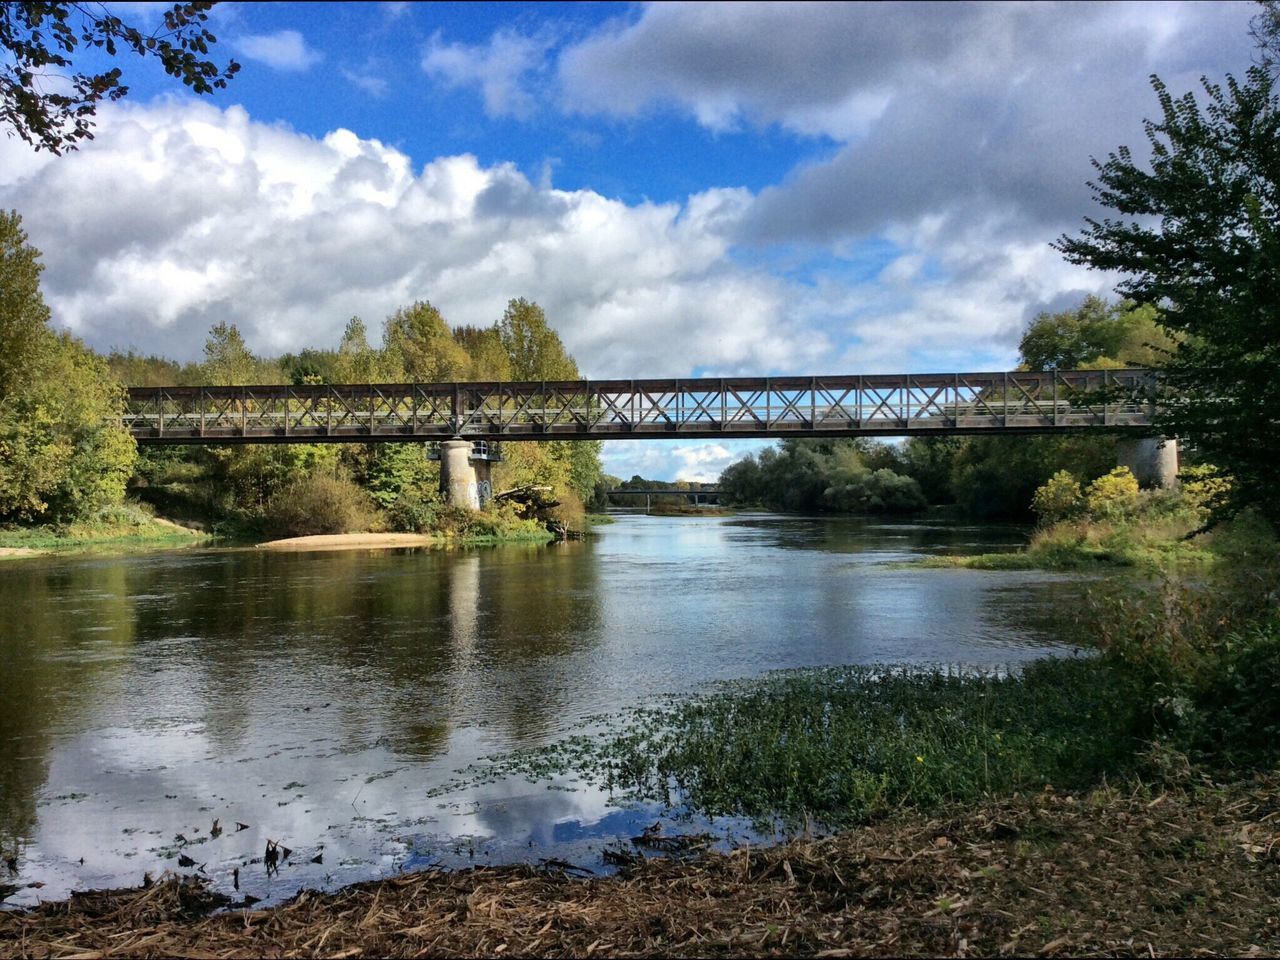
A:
[(496, 68), (183, 215), (282, 50), (371, 83), (950, 108), (696, 460)]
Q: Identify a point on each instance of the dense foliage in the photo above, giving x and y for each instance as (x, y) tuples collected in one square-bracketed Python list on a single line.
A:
[(1096, 335), (839, 476), (62, 458), (986, 477), (257, 488), (1196, 236)]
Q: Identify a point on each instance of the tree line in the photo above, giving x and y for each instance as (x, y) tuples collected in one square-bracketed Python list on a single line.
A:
[(64, 459), (984, 477)]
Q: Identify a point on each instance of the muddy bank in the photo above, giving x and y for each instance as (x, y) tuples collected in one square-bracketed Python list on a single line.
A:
[(1188, 870)]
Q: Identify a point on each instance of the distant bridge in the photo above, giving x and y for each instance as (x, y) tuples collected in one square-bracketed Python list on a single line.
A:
[(729, 407), (707, 495)]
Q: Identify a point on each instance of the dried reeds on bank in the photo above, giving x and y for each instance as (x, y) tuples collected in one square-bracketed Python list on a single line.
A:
[(1191, 870)]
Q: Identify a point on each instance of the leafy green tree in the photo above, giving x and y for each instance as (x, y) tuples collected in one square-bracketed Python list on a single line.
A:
[(928, 461), (308, 365), (741, 483), (997, 476), (134, 370), (40, 38), (534, 350), (419, 342), (401, 469), (489, 360), (1197, 236), (227, 360), (63, 452), (357, 361), (583, 460), (24, 318), (1096, 335)]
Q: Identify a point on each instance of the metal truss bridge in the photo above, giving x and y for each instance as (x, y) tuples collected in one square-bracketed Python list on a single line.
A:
[(729, 407)]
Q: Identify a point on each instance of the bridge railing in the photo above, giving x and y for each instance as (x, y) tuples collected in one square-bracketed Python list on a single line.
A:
[(728, 407)]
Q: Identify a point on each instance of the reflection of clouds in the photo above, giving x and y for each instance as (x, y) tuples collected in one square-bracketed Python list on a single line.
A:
[(324, 716)]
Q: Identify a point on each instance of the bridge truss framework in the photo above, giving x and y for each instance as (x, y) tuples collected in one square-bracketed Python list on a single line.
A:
[(729, 407)]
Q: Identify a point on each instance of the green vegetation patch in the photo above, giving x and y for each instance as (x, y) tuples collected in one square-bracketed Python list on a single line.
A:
[(850, 743), (121, 527)]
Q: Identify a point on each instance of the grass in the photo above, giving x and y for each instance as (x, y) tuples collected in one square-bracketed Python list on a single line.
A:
[(1160, 531), (122, 527), (848, 744)]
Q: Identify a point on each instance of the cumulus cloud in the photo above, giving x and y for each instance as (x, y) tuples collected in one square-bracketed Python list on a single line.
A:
[(963, 109), (184, 215), (282, 50), (496, 68)]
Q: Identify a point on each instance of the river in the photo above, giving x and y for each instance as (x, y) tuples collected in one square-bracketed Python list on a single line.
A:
[(316, 698)]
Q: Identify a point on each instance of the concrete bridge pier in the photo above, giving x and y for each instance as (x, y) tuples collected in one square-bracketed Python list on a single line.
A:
[(458, 480), (1153, 460)]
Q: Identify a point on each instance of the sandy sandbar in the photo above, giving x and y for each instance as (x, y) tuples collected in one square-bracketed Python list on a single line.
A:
[(20, 552), (347, 541)]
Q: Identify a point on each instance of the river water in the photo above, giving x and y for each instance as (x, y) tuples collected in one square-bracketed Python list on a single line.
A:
[(316, 697)]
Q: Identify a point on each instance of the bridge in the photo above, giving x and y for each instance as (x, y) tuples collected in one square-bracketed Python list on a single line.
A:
[(703, 495), (729, 407), (460, 414)]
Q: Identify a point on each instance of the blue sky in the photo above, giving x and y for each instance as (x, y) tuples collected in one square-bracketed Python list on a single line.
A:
[(687, 189)]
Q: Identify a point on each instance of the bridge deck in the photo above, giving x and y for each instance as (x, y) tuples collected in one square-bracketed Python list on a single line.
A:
[(880, 405)]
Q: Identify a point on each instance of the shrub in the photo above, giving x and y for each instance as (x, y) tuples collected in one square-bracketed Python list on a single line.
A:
[(1205, 656), (414, 513), (1059, 498), (570, 511), (1205, 487), (318, 504), (1114, 494)]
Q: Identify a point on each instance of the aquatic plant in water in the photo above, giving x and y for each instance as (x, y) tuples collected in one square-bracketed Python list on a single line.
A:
[(845, 744)]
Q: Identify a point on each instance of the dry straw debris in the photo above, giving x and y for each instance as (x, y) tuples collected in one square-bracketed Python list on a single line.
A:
[(1191, 870)]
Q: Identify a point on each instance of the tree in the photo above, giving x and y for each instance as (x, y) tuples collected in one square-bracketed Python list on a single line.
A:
[(227, 360), (41, 38), (533, 348), (63, 451), (357, 361), (1095, 335), (418, 340), (24, 318), (489, 361), (1264, 27), (1197, 237)]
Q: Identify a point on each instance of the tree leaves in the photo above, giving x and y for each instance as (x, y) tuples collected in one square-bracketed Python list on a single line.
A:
[(39, 35), (1198, 240)]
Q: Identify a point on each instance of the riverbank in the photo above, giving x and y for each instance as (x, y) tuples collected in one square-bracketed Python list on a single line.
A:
[(137, 532), (1182, 868)]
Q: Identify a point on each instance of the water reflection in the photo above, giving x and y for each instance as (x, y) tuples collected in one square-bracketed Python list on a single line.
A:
[(318, 697)]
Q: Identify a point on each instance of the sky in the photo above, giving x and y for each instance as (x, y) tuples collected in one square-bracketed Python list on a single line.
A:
[(687, 189)]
